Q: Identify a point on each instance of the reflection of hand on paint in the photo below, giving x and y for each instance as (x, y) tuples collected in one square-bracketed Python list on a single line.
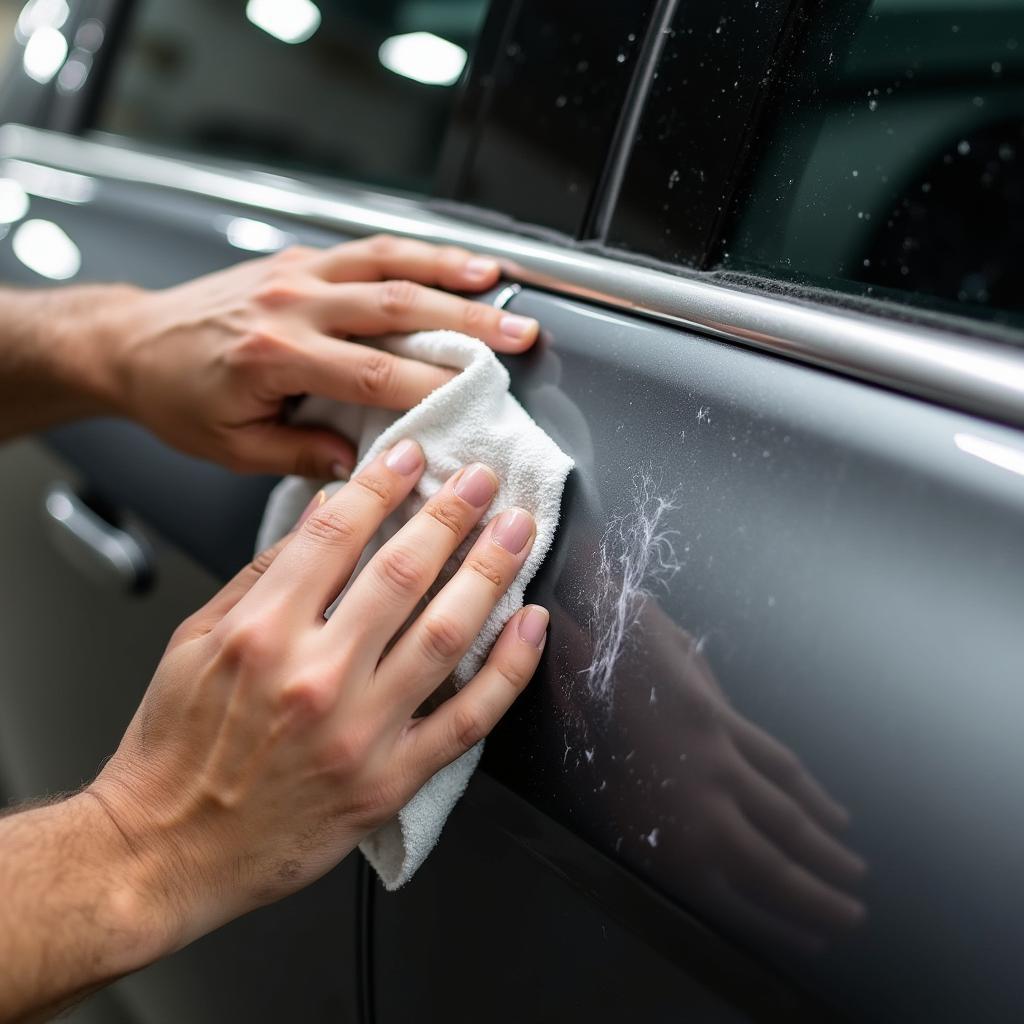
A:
[(749, 832)]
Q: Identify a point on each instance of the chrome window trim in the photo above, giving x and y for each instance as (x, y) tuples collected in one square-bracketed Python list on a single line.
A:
[(960, 371)]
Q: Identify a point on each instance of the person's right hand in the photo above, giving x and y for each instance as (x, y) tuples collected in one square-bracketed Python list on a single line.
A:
[(271, 741)]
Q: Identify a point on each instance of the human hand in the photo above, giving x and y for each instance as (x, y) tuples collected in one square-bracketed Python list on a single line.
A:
[(271, 741), (209, 365)]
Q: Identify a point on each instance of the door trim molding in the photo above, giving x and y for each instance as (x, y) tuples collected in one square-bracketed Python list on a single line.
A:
[(954, 369)]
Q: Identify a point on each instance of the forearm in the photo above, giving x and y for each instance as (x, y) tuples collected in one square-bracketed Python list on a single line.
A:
[(74, 913), (57, 356)]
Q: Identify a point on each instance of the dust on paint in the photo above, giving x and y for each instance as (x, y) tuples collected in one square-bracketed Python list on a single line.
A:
[(636, 559)]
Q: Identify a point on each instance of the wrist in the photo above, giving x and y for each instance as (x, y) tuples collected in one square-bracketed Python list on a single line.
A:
[(128, 887), (92, 344)]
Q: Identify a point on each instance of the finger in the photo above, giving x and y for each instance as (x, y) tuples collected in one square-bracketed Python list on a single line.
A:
[(281, 450), (385, 256), (387, 307), (387, 591), (202, 621), (759, 869), (783, 767), (435, 643), (351, 372), (466, 718), (792, 828), (308, 575)]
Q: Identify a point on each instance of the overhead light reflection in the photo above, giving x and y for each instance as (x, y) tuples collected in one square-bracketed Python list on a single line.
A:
[(73, 75), (44, 54), (423, 57), (1001, 455), (44, 247), (291, 21), (38, 14), (13, 201), (255, 235)]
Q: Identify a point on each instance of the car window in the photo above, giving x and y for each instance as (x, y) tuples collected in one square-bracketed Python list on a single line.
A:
[(880, 154), (357, 88), (555, 94), (894, 163)]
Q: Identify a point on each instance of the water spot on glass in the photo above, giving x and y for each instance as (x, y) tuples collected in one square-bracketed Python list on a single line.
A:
[(978, 101), (631, 37), (963, 147), (673, 179), (926, 186), (1006, 152), (867, 263), (956, 28), (872, 105), (856, 174), (997, 68), (582, 66), (621, 58), (560, 101)]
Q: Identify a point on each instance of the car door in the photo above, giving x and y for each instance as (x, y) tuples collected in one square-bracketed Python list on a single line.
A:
[(763, 768)]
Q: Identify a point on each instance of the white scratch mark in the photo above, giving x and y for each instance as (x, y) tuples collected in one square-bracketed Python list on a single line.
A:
[(636, 558), (704, 414), (652, 837), (589, 755)]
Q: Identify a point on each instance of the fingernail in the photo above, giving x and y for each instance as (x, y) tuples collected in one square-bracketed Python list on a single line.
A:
[(480, 266), (518, 327), (533, 625), (476, 485), (317, 500), (340, 471), (404, 458), (512, 529)]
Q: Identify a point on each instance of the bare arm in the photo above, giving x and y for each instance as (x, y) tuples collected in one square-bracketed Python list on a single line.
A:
[(210, 364), (270, 741)]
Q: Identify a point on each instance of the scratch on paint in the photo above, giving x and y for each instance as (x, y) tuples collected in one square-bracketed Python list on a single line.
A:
[(636, 558)]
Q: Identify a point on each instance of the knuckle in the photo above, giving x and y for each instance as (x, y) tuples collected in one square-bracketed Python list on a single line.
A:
[(376, 486), (332, 526), (488, 568), (514, 675), (255, 347), (280, 292), (397, 298), (251, 644), (307, 697), (381, 246), (344, 754), (468, 727), (378, 374), (443, 639), (401, 570), (262, 562), (293, 254), (476, 317), (447, 512)]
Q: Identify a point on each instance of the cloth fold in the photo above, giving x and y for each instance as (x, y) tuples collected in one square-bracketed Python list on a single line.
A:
[(472, 418)]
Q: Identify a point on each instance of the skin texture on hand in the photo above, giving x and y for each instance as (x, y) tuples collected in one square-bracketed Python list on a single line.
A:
[(209, 365), (271, 741)]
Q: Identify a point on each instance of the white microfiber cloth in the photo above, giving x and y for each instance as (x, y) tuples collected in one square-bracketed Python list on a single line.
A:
[(472, 418)]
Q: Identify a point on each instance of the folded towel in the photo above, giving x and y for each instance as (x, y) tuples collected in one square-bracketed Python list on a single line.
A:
[(472, 418)]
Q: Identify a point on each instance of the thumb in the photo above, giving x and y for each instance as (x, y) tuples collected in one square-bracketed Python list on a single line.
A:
[(312, 452)]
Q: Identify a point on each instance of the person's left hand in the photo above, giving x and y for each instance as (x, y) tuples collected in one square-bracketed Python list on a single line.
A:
[(209, 365)]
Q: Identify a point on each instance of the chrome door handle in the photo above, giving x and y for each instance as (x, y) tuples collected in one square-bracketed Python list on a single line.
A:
[(109, 554)]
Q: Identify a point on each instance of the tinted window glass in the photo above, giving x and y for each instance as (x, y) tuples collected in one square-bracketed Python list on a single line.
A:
[(360, 88), (708, 77), (893, 164), (554, 98)]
